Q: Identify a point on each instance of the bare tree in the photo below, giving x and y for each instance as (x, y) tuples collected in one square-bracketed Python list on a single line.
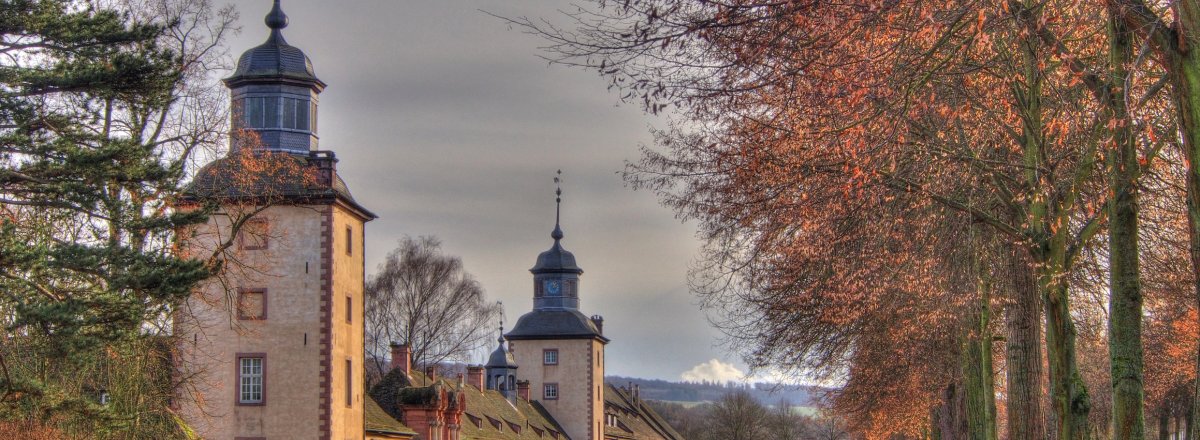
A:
[(737, 416), (423, 298)]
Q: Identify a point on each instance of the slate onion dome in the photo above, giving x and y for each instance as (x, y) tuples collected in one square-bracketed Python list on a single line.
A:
[(275, 59), (501, 357)]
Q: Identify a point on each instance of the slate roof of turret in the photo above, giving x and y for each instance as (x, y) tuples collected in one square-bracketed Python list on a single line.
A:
[(555, 324), (275, 59)]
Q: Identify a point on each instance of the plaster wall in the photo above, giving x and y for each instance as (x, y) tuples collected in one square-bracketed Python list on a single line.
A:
[(292, 269), (346, 325), (580, 378)]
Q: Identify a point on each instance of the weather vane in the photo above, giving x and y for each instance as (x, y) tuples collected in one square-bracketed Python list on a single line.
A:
[(557, 198)]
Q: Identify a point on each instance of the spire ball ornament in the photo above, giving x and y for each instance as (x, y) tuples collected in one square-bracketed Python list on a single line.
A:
[(276, 19)]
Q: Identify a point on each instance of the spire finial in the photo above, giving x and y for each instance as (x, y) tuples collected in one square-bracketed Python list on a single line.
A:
[(558, 233), (500, 305), (276, 19)]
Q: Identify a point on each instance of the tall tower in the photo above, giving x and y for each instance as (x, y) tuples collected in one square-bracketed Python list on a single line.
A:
[(559, 349), (272, 348)]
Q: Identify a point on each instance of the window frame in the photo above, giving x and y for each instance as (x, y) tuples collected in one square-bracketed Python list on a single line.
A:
[(248, 245), (242, 291), (349, 240), (547, 353), (262, 357), (349, 383), (546, 387)]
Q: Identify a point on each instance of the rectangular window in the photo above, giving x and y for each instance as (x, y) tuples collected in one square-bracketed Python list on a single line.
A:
[(349, 310), (349, 383), (261, 112), (252, 304), (251, 379), (550, 391), (302, 118), (349, 241), (253, 234), (252, 112), (550, 357), (295, 114), (270, 112), (289, 113)]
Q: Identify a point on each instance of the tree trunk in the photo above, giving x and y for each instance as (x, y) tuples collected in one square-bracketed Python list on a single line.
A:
[(1068, 394), (1164, 425), (1187, 430), (1023, 319), (976, 360), (1183, 69), (1125, 292)]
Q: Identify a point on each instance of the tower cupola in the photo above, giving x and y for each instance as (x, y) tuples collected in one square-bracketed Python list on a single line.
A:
[(274, 93), (556, 292), (556, 275), (502, 369)]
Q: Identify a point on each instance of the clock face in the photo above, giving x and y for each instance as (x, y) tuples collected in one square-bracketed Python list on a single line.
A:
[(553, 287)]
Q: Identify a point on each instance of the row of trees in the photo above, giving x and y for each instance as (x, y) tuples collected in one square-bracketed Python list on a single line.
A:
[(910, 197), (738, 416)]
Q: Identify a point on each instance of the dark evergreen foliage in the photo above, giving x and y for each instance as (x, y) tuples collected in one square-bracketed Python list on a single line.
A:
[(87, 192)]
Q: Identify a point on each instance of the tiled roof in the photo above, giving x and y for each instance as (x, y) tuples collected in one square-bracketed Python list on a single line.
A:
[(484, 406), (635, 420), (272, 176), (376, 420)]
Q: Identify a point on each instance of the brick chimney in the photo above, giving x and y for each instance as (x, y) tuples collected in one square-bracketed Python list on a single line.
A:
[(475, 377), (523, 389), (326, 165), (432, 372), (599, 322), (402, 358)]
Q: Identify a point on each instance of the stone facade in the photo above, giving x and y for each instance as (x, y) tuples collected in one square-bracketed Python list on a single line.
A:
[(306, 337)]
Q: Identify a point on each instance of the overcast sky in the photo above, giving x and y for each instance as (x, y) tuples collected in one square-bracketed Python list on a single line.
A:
[(448, 124)]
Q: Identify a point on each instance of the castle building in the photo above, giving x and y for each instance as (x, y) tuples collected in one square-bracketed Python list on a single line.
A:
[(544, 380), (273, 348)]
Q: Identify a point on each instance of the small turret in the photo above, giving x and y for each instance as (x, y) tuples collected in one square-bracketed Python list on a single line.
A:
[(502, 369)]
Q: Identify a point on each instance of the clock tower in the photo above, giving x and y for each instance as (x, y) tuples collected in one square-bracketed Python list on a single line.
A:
[(561, 350)]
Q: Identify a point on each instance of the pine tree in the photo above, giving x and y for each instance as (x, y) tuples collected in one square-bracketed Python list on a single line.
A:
[(92, 160)]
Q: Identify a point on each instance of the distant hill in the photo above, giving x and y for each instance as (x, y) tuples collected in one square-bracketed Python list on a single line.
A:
[(765, 393)]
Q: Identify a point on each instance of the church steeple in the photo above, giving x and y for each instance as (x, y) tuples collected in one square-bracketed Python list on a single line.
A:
[(274, 93)]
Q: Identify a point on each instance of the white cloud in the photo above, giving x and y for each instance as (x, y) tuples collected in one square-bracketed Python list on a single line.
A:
[(714, 371)]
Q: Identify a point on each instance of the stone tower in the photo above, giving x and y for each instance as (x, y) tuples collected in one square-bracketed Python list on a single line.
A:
[(273, 347), (561, 350)]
